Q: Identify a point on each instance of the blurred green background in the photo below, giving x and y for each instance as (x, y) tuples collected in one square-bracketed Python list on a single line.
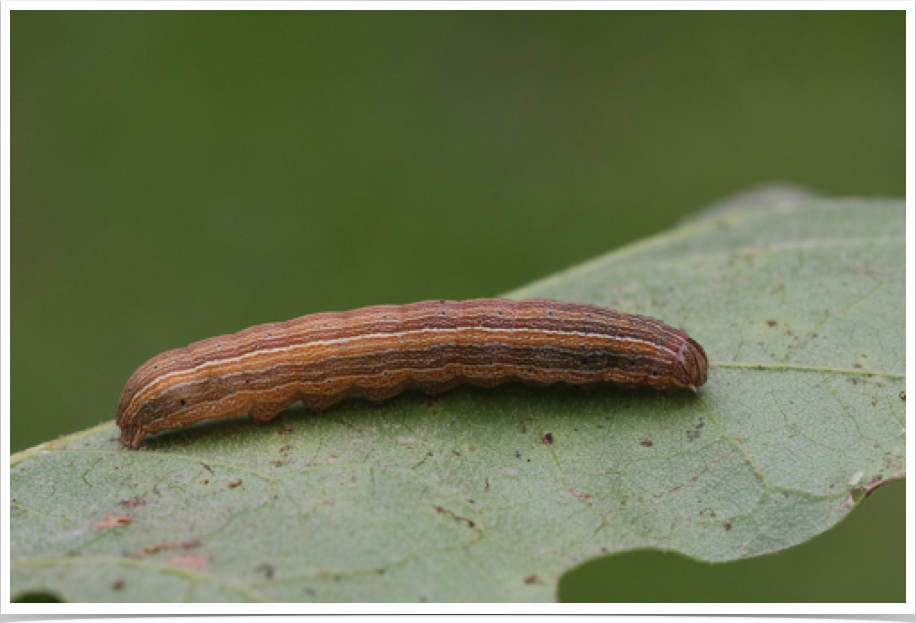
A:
[(177, 175)]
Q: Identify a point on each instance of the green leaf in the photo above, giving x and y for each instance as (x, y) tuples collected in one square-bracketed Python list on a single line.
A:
[(800, 306)]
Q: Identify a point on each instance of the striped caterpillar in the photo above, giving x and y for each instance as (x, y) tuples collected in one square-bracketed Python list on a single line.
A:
[(378, 352)]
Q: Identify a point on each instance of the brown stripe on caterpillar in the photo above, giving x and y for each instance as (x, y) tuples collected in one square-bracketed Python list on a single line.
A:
[(378, 352)]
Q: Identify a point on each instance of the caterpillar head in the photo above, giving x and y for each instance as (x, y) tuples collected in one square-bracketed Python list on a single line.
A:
[(691, 367)]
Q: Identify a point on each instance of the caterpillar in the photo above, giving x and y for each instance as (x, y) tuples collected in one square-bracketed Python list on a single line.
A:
[(378, 352)]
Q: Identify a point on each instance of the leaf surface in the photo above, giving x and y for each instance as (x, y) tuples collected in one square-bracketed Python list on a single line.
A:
[(491, 494)]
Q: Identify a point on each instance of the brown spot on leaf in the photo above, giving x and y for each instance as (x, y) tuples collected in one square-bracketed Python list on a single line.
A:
[(847, 503), (158, 547), (118, 585), (267, 570), (235, 483), (695, 433), (440, 509), (728, 527), (115, 521), (534, 578), (647, 443), (132, 502), (580, 494), (771, 323), (547, 438)]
